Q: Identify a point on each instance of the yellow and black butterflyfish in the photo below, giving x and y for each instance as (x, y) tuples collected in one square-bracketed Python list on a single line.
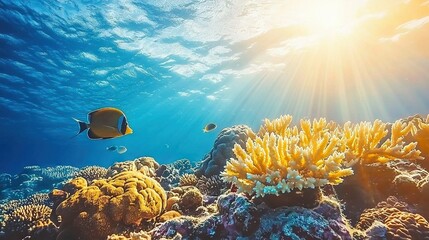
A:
[(105, 123)]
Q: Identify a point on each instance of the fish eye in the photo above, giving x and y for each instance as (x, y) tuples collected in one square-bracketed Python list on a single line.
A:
[(123, 125)]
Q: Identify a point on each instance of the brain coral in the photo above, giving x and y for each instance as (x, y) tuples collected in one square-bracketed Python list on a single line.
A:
[(279, 158), (96, 211), (214, 162), (145, 165), (399, 224)]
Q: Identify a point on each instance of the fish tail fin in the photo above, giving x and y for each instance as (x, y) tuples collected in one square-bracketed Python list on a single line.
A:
[(82, 126)]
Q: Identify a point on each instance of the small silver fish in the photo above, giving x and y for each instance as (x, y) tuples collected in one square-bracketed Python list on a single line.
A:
[(121, 149)]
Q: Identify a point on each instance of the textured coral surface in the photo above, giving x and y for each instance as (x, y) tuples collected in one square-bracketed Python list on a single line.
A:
[(96, 211), (280, 158)]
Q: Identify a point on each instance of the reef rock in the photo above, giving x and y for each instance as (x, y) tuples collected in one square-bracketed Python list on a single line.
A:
[(215, 161)]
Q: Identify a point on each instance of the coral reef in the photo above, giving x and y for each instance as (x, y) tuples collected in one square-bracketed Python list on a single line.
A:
[(169, 175), (75, 184), (215, 161), (398, 224), (58, 173), (34, 179), (188, 180), (169, 215), (145, 165), (92, 173), (5, 181), (30, 220), (419, 134), (190, 201), (279, 158), (282, 182), (239, 218), (39, 199), (101, 209), (213, 186), (373, 183)]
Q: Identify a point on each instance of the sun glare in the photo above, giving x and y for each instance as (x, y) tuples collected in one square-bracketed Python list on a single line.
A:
[(327, 17)]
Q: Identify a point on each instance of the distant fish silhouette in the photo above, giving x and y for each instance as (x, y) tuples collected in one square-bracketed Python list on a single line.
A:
[(121, 149), (209, 127), (111, 148), (118, 149), (105, 123)]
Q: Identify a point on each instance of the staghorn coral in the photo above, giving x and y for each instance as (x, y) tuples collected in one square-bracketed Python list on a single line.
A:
[(30, 220), (188, 180), (292, 159), (364, 143), (107, 206), (279, 158), (419, 134), (214, 162), (39, 199), (91, 173), (58, 173)]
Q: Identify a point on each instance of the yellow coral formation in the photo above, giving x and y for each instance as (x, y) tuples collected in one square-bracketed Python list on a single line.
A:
[(27, 220), (280, 158), (399, 224), (420, 134), (126, 199), (363, 142)]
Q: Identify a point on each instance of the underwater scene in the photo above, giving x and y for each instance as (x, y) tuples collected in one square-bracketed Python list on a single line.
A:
[(228, 119)]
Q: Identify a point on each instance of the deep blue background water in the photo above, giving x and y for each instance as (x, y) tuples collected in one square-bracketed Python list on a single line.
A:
[(172, 67)]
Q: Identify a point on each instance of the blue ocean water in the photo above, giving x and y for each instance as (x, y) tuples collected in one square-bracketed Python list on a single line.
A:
[(174, 66)]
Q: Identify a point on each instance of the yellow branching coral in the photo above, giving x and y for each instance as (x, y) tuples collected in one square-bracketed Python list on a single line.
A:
[(366, 143), (280, 158), (294, 159), (419, 133)]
